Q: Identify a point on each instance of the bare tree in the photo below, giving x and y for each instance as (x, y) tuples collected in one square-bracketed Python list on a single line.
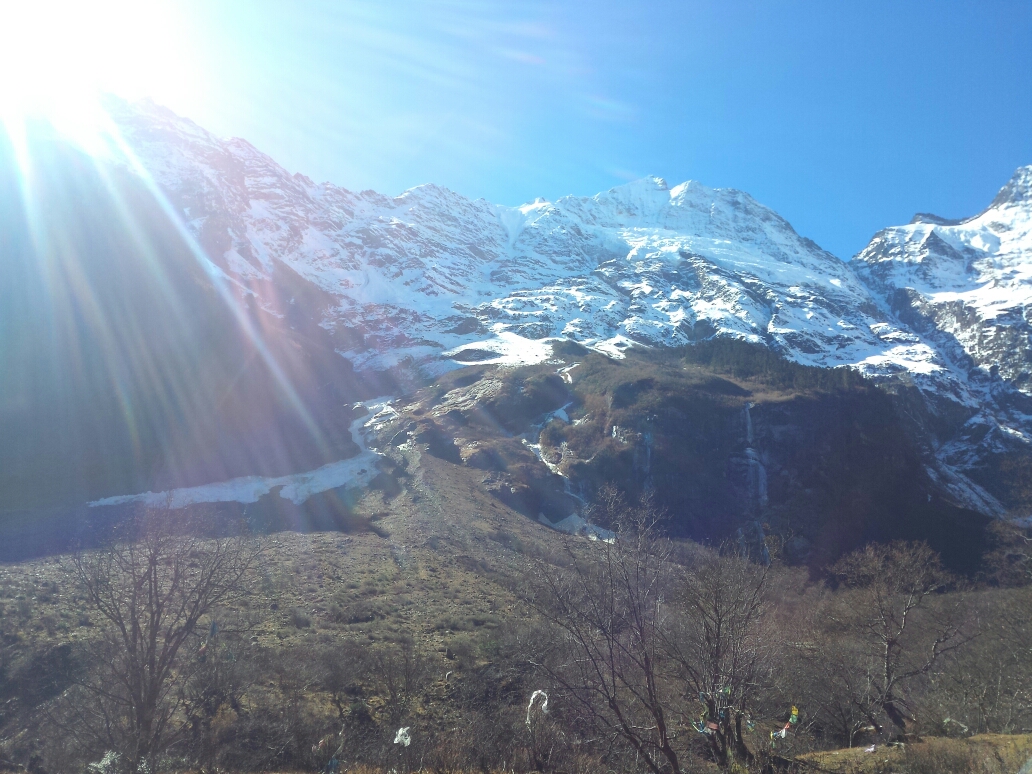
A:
[(343, 667), (888, 634), (724, 643), (1009, 562), (606, 602), (221, 675), (153, 587), (986, 686), (400, 672)]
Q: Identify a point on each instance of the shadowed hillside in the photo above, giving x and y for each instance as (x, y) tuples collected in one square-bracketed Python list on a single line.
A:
[(124, 366), (727, 436)]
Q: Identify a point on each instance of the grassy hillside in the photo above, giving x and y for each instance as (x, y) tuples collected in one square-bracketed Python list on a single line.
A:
[(322, 638)]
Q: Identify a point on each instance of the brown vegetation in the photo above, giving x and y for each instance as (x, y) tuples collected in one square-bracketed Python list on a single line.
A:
[(655, 654)]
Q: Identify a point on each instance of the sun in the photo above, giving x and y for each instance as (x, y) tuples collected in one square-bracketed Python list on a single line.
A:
[(58, 56)]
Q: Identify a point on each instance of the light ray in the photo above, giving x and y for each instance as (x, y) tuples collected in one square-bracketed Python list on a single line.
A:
[(221, 282), (77, 313)]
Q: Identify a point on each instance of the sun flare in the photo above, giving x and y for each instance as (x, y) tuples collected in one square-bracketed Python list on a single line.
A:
[(58, 56)]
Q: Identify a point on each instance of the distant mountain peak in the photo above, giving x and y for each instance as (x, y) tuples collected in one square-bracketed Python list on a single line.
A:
[(927, 217), (1018, 190)]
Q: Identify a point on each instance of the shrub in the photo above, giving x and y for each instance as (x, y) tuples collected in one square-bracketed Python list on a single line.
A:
[(299, 619)]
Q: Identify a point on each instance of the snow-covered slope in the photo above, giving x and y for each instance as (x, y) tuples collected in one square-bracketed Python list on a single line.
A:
[(965, 284), (429, 278), (430, 273), (966, 288)]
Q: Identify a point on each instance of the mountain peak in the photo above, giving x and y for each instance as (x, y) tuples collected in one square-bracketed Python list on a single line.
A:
[(1018, 190), (659, 182), (934, 220), (643, 185)]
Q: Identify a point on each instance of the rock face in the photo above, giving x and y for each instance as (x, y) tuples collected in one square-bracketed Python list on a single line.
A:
[(965, 287), (420, 283), (727, 441)]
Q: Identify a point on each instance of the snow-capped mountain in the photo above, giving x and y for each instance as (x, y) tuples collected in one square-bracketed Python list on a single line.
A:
[(429, 273), (965, 287), (423, 281), (967, 284)]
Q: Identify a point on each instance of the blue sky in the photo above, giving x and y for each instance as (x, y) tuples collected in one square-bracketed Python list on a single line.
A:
[(845, 117)]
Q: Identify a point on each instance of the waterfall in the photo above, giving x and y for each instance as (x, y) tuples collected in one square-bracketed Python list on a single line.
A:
[(752, 476), (756, 473), (757, 479)]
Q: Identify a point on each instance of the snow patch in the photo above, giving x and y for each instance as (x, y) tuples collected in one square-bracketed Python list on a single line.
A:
[(506, 348), (296, 487)]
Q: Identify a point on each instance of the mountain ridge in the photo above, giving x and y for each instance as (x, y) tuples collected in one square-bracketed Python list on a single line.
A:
[(411, 286), (429, 279), (569, 240)]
